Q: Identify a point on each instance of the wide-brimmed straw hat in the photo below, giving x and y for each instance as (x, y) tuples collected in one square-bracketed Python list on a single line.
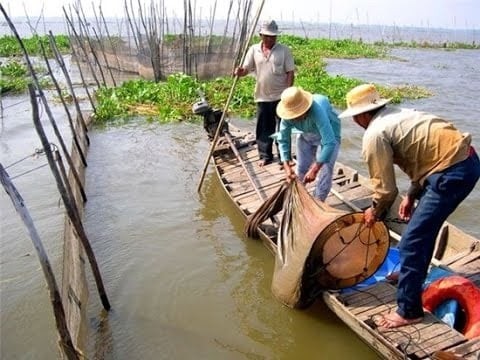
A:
[(294, 102), (361, 99), (269, 28)]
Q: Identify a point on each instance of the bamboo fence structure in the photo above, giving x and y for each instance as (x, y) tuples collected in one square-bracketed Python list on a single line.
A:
[(155, 47)]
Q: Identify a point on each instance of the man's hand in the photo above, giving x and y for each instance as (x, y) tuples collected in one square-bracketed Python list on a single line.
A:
[(289, 173), (239, 71), (312, 172), (406, 208), (369, 217)]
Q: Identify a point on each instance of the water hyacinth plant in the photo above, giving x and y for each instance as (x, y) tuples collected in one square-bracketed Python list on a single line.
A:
[(171, 100)]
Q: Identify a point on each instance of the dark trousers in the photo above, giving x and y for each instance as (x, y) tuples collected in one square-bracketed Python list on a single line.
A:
[(267, 123), (443, 192)]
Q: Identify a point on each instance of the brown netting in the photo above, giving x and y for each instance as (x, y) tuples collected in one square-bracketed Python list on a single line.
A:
[(320, 247)]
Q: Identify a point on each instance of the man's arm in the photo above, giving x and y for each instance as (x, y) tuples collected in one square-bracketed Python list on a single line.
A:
[(379, 157), (284, 140), (290, 78)]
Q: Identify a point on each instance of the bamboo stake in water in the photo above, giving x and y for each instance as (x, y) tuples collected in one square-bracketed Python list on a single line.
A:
[(67, 201), (66, 342), (44, 101), (230, 95)]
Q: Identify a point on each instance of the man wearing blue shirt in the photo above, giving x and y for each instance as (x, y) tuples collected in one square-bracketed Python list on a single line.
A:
[(318, 144)]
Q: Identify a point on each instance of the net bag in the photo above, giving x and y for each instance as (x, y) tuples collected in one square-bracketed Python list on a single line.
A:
[(322, 248)]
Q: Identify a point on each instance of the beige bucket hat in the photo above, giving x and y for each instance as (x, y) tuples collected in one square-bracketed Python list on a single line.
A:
[(361, 99), (269, 28), (294, 102)]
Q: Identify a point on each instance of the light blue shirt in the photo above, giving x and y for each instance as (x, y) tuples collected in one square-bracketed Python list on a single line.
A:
[(321, 120)]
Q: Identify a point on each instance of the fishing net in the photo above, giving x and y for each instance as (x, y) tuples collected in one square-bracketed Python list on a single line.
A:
[(319, 247)]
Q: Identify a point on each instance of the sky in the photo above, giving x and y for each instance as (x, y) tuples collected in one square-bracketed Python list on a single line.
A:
[(451, 14)]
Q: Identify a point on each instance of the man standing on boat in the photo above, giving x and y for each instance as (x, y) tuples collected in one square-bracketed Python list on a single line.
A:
[(318, 144), (443, 168), (274, 68)]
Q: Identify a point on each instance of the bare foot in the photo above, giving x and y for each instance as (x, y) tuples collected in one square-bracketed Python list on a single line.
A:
[(263, 162), (394, 320)]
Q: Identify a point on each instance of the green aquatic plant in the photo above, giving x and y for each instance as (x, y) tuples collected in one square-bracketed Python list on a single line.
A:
[(447, 45), (15, 77), (9, 45), (172, 99), (162, 101)]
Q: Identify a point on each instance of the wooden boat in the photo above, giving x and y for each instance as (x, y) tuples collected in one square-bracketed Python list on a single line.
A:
[(235, 160)]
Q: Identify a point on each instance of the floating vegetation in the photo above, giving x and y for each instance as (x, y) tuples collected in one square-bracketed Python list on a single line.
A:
[(14, 77), (447, 45), (398, 93), (171, 100), (9, 45)]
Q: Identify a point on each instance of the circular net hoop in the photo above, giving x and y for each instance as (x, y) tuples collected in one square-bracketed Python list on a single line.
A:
[(346, 252)]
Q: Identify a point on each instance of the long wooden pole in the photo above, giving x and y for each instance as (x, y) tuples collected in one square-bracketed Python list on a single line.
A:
[(249, 176), (239, 157), (67, 110), (66, 342), (71, 211), (66, 74), (42, 96), (225, 109)]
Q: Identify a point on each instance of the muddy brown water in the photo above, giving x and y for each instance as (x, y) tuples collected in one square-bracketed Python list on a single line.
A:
[(183, 280)]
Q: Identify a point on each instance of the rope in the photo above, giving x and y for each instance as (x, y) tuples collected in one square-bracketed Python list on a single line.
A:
[(411, 340), (357, 234), (38, 152), (15, 104), (403, 347)]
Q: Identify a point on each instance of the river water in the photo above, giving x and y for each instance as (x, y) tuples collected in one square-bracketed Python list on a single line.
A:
[(183, 280)]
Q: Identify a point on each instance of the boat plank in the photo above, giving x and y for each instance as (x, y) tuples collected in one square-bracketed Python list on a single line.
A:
[(475, 277), (472, 258), (245, 191), (469, 350), (385, 299), (368, 292), (371, 336), (369, 313), (423, 339)]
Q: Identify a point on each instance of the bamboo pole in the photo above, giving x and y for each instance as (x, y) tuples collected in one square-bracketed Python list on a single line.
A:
[(102, 48), (114, 50), (81, 45), (249, 176), (82, 77), (71, 211), (63, 173), (130, 22), (240, 159), (225, 109), (84, 23), (44, 101), (66, 74), (62, 99), (66, 343)]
